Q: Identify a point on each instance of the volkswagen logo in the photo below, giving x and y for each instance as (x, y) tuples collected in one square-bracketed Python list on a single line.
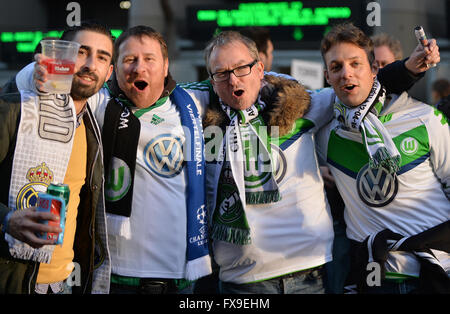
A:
[(164, 155), (376, 187)]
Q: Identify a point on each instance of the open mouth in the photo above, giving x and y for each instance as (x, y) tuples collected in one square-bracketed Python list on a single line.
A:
[(141, 85), (238, 92), (349, 87), (87, 78)]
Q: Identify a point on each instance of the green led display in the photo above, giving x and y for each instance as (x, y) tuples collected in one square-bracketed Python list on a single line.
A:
[(26, 42), (273, 14)]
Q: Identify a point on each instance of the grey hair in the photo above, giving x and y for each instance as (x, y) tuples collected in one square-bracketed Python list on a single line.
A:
[(225, 38)]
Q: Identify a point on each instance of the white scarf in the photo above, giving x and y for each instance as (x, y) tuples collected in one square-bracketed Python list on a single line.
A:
[(245, 141), (43, 148), (376, 138), (242, 135)]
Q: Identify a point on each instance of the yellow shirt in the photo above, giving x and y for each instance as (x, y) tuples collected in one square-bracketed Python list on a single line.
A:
[(61, 265)]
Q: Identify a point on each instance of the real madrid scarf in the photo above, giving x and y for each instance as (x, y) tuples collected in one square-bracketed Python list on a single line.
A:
[(43, 148), (246, 155), (198, 259), (376, 138)]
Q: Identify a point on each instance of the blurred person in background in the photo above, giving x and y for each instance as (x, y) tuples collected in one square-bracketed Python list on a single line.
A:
[(264, 44), (387, 49), (441, 96)]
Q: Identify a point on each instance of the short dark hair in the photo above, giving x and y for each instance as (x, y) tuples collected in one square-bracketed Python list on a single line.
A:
[(348, 33), (260, 35), (69, 33), (141, 31), (93, 26)]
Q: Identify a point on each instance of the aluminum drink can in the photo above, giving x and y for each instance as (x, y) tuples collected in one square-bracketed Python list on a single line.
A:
[(54, 201), (59, 189)]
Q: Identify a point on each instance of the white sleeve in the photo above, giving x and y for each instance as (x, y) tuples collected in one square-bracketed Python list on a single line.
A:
[(439, 137), (200, 94), (321, 110), (97, 103), (286, 76), (321, 139), (24, 79)]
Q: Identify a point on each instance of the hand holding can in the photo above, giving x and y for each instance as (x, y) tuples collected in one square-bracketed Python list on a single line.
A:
[(56, 206), (55, 201)]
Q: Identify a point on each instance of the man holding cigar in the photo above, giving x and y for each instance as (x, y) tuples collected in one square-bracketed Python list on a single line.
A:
[(390, 163)]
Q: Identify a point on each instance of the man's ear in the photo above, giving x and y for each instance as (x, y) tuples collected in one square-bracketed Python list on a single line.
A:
[(262, 56), (166, 67), (213, 84), (110, 71), (260, 68), (375, 68), (325, 73)]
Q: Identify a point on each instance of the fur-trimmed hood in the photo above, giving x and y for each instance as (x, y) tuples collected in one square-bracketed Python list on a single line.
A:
[(286, 102)]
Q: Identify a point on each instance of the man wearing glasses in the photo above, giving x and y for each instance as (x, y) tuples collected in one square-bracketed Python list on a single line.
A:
[(271, 225)]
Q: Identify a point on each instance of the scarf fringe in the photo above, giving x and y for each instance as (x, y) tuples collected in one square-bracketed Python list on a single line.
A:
[(230, 234), (21, 250), (119, 225), (382, 159), (262, 197), (198, 268)]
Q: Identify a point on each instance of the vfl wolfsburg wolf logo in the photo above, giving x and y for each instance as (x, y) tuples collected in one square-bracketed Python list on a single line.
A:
[(409, 146), (376, 187), (230, 206), (119, 180), (255, 178)]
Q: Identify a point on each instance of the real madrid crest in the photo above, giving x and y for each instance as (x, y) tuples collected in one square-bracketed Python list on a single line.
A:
[(39, 178)]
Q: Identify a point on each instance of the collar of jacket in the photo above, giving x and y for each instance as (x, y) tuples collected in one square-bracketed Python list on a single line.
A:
[(113, 87), (286, 102)]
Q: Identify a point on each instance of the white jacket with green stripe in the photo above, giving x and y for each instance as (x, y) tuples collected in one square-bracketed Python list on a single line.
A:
[(416, 198)]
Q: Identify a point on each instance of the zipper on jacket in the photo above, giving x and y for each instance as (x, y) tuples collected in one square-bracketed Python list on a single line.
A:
[(99, 150), (31, 277)]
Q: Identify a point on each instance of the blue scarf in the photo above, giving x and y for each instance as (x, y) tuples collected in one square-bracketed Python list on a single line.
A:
[(197, 228)]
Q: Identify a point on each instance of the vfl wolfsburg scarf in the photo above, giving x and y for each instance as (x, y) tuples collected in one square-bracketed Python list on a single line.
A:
[(364, 119), (43, 148), (246, 176), (199, 263)]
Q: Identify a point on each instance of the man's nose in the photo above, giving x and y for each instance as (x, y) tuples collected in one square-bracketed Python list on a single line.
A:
[(232, 79), (90, 63), (139, 66), (347, 71)]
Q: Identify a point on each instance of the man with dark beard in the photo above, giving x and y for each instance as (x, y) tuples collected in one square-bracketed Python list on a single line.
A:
[(45, 139)]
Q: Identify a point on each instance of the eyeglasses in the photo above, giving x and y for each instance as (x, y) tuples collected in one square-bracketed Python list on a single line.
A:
[(242, 70)]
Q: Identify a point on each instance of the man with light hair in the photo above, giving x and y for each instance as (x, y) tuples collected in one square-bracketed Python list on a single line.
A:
[(387, 49)]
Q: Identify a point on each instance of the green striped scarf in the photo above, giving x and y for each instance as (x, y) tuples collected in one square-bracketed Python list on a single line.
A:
[(246, 175)]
